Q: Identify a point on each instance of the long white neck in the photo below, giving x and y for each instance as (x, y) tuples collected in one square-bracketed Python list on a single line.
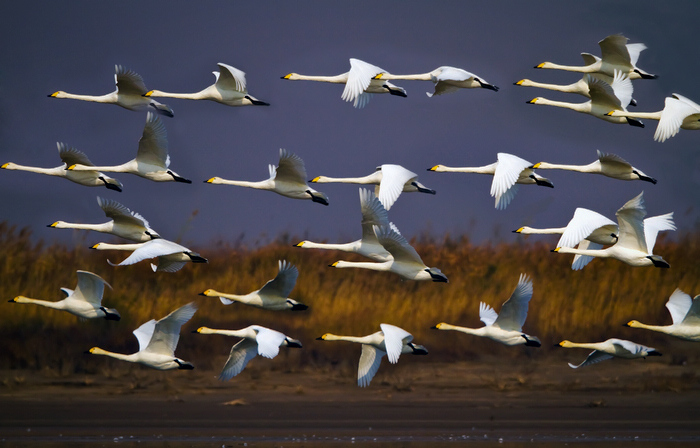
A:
[(345, 247), (578, 107), (357, 339), (123, 168), (659, 328), (243, 333), (601, 253), (370, 179), (472, 331), (201, 95), (108, 98), (569, 88), (337, 79), (234, 297), (260, 185), (591, 68), (104, 227), (588, 345), (580, 168), (108, 246), (647, 115), (488, 169), (60, 305), (57, 171), (385, 266), (417, 77), (525, 230), (98, 351)]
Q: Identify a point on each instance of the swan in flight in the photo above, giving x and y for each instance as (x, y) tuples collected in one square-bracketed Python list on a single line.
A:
[(373, 214), (288, 179), (446, 79), (171, 256), (678, 113), (85, 301), (360, 82), (405, 260), (71, 156), (157, 342), (129, 94), (580, 87), (685, 313), (390, 181), (272, 296), (612, 348), (507, 327), (124, 223), (229, 89), (636, 237), (507, 172), (604, 98), (152, 159), (391, 341), (610, 165), (617, 55), (256, 340)]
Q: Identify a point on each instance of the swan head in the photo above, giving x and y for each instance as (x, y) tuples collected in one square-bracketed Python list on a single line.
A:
[(8, 166), (439, 326), (633, 324), (213, 180), (521, 82), (565, 344), (437, 168), (296, 306), (437, 275), (208, 293), (543, 65), (97, 246), (534, 100), (300, 244), (58, 94), (203, 330), (291, 76), (96, 351)]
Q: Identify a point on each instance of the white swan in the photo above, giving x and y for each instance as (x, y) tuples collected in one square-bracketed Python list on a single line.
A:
[(288, 179), (229, 89), (685, 313), (124, 223), (71, 156), (580, 87), (507, 172), (616, 53), (129, 94), (390, 180), (604, 98), (507, 327), (152, 159), (610, 165), (85, 301), (611, 348), (272, 296), (405, 262), (373, 214), (636, 237), (678, 113), (257, 340), (360, 82), (391, 341), (171, 256), (446, 79), (157, 342)]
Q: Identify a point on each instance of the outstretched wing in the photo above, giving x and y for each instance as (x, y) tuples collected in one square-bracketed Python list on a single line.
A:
[(144, 333), (369, 364), (373, 214), (283, 283), (514, 310), (90, 288), (119, 213), (581, 225), (630, 219), (291, 168), (394, 177), (397, 245), (359, 78), (655, 224), (230, 78), (152, 249), (678, 305), (580, 261), (595, 357), (507, 173), (269, 341), (153, 145), (614, 50), (613, 159), (394, 340), (71, 156), (676, 109), (487, 314), (241, 354), (167, 330), (128, 81)]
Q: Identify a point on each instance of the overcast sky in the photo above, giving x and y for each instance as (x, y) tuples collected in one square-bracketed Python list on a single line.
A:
[(174, 46)]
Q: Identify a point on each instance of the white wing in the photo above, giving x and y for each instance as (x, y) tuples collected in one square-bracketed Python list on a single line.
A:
[(580, 261), (291, 168), (283, 283), (613, 159), (630, 219), (128, 81), (241, 354), (614, 50), (514, 310), (678, 305), (90, 288), (167, 265), (654, 225), (693, 316), (583, 223), (595, 357), (622, 88), (394, 340), (152, 249), (144, 333), (676, 109), (71, 156), (359, 78), (230, 78), (394, 177), (631, 347), (167, 330), (369, 364), (397, 245), (153, 145), (373, 214), (634, 50), (507, 172), (487, 314), (269, 341), (119, 213)]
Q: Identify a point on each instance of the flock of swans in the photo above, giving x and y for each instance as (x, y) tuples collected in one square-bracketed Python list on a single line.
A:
[(607, 82)]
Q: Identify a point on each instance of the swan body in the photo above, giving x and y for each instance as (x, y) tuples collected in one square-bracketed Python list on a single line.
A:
[(129, 94), (678, 113), (229, 89), (390, 180), (508, 171), (685, 313), (405, 262), (373, 214), (391, 341), (612, 348), (272, 296), (360, 82), (446, 79), (507, 327), (171, 256), (85, 301), (257, 340), (71, 156), (157, 342), (152, 160), (288, 179), (124, 223), (609, 165)]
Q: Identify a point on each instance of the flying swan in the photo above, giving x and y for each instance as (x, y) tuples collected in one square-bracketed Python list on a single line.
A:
[(610, 165), (171, 256), (612, 348), (446, 79), (685, 313)]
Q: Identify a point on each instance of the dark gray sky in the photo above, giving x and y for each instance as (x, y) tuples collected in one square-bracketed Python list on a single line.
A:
[(73, 46)]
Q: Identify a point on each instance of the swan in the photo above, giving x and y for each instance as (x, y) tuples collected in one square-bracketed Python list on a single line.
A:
[(678, 113), (611, 348), (129, 94), (256, 340), (391, 341), (610, 165), (171, 256), (373, 214), (360, 82), (272, 296), (685, 313), (506, 328), (616, 53), (71, 156), (152, 159), (405, 262), (508, 171), (446, 79), (390, 180), (157, 342), (636, 238), (580, 87), (288, 179), (124, 223), (604, 98), (85, 301), (229, 89)]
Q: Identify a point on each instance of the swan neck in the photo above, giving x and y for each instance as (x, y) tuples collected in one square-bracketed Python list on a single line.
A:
[(109, 246), (33, 169), (337, 79), (108, 98), (570, 68), (557, 87), (555, 166), (547, 231), (579, 107), (371, 179), (121, 356), (363, 265), (334, 337), (239, 183), (45, 303), (184, 96), (235, 333), (330, 246), (417, 77), (488, 169)]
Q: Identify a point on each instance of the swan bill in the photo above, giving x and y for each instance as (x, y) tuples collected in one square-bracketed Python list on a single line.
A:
[(5, 165), (301, 244), (519, 83), (532, 101), (435, 168), (519, 230)]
